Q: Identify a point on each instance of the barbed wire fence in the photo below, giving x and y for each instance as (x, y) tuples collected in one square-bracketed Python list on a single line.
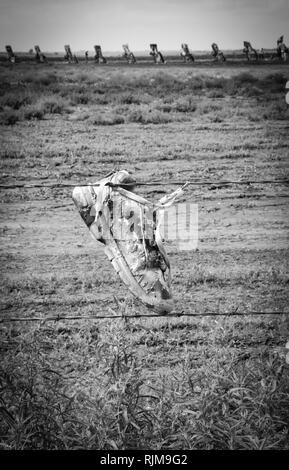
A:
[(180, 314), (175, 314), (144, 183)]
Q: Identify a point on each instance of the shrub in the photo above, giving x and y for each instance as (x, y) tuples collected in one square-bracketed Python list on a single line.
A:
[(80, 98), (10, 117), (275, 82), (42, 79), (215, 82), (217, 118), (129, 98), (33, 112), (15, 100), (101, 99), (253, 91), (216, 94), (209, 107), (148, 117), (195, 83), (185, 105), (108, 120), (46, 105), (53, 105), (278, 111), (165, 108), (83, 77), (245, 77), (50, 104)]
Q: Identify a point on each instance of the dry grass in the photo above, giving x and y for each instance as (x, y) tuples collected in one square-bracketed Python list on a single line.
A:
[(143, 97), (178, 383), (72, 386)]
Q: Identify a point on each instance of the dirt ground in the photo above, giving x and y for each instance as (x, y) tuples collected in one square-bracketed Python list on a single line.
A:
[(50, 264)]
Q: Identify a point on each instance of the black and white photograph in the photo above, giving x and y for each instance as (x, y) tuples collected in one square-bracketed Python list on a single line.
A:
[(144, 219)]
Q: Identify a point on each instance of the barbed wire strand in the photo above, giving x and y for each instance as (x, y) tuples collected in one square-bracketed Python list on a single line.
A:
[(143, 183), (133, 184), (126, 317)]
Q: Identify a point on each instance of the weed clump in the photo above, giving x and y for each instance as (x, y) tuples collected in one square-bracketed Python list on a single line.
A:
[(107, 120), (15, 100), (185, 105), (9, 117), (33, 112), (278, 111), (129, 98), (53, 105), (46, 105), (148, 117)]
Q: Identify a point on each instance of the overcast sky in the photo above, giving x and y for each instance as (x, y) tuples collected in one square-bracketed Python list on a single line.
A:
[(111, 23)]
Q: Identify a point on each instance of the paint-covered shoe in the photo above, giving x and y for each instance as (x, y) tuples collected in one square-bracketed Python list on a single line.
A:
[(126, 224)]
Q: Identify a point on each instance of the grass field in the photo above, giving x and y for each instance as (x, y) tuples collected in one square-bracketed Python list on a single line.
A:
[(161, 383)]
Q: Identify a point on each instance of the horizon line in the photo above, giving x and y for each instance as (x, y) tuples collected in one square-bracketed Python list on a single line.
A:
[(120, 51)]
